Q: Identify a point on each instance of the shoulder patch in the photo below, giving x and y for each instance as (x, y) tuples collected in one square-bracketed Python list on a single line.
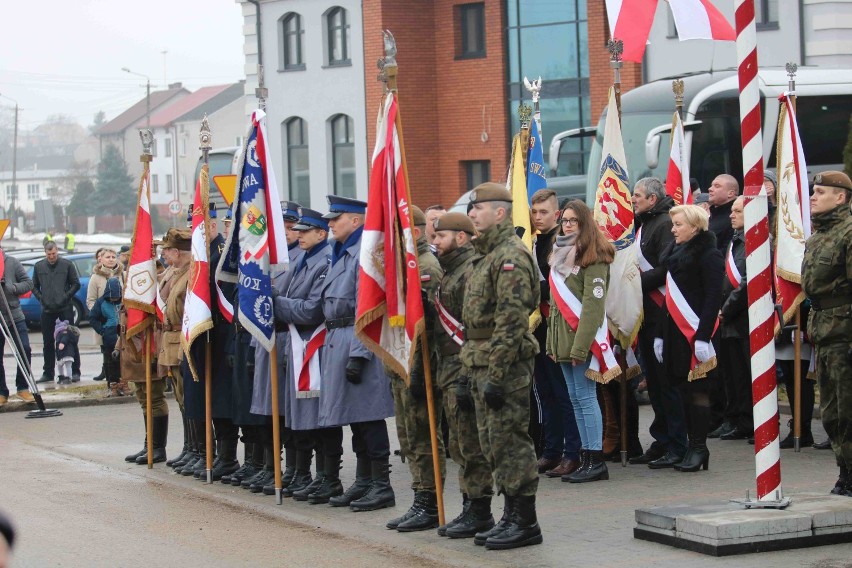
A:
[(601, 280), (598, 292), (576, 269), (508, 266), (426, 277)]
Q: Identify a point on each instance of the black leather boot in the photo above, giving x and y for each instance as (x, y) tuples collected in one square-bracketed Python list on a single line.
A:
[(480, 537), (102, 375), (192, 452), (697, 455), (144, 451), (426, 516), (199, 469), (185, 449), (303, 493), (257, 462), (522, 530), (584, 465), (381, 493), (302, 478), (331, 486), (227, 458), (596, 470), (842, 481), (415, 506), (160, 429), (201, 473), (442, 530), (199, 446), (289, 466), (477, 520), (248, 465), (267, 474), (357, 489)]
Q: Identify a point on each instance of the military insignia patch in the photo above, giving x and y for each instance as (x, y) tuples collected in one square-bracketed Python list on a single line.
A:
[(508, 266), (425, 277), (598, 292)]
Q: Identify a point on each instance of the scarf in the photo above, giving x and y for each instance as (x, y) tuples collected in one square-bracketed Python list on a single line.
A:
[(564, 252), (339, 248)]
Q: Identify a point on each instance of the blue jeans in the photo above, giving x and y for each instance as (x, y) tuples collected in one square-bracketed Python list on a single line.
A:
[(584, 398), (561, 438), (20, 381)]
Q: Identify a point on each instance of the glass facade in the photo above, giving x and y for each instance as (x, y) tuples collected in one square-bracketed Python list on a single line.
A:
[(549, 38)]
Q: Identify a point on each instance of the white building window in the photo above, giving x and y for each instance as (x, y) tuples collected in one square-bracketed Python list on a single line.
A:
[(766, 14), (343, 155), (337, 30), (32, 191), (182, 147), (155, 183), (296, 136), (170, 190), (292, 34), (11, 192), (168, 147)]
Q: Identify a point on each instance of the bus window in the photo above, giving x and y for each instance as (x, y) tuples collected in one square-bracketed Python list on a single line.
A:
[(824, 129)]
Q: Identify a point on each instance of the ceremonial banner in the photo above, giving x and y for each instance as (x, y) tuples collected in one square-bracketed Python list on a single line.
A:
[(197, 316), (517, 185), (614, 214), (793, 225), (389, 313), (699, 19), (140, 287), (536, 178), (677, 177), (256, 244), (630, 21)]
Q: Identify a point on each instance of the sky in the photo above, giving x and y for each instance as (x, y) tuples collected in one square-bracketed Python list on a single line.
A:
[(65, 56)]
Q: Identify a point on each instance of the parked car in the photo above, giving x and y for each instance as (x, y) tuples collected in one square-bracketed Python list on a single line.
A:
[(84, 262)]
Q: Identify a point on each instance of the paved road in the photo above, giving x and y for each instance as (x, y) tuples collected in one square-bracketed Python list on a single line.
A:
[(77, 503)]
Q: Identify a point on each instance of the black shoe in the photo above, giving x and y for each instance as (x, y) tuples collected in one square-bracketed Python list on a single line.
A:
[(159, 456), (306, 491), (736, 434), (824, 445), (75, 378), (697, 457), (476, 520), (667, 461), (45, 378), (842, 482), (721, 430), (426, 516), (357, 489), (331, 486), (416, 505), (480, 538), (381, 493), (584, 465), (653, 452), (596, 470), (263, 478), (806, 439), (522, 528), (132, 457), (302, 478), (442, 530)]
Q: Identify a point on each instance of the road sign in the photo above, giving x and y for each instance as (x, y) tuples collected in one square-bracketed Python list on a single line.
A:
[(227, 185), (175, 207), (4, 224)]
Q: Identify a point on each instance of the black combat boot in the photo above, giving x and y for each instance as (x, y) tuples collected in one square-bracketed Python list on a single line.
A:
[(357, 489), (595, 471), (241, 471), (256, 467), (331, 486), (201, 473), (289, 467), (426, 516), (302, 478), (522, 530), (806, 438), (185, 449), (160, 429), (842, 481), (584, 465), (480, 537), (303, 493), (267, 474), (192, 452), (380, 494), (415, 506), (442, 530), (199, 469), (227, 458), (478, 519), (144, 451), (199, 446)]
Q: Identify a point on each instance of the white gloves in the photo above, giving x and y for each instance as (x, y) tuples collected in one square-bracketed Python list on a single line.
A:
[(658, 348), (702, 351)]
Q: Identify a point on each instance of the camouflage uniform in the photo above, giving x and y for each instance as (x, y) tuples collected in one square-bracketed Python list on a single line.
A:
[(827, 280), (502, 292), (474, 473), (412, 416)]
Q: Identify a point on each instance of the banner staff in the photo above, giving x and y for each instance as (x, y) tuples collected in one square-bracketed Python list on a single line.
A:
[(146, 157), (206, 138), (389, 71)]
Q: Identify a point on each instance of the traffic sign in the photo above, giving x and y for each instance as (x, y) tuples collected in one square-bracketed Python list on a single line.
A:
[(4, 224), (175, 207), (227, 185)]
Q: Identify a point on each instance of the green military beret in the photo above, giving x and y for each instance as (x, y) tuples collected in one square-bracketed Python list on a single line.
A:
[(490, 191), (833, 179), (454, 222), (418, 216)]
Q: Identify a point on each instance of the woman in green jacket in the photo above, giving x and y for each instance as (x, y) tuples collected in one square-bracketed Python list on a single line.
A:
[(581, 257)]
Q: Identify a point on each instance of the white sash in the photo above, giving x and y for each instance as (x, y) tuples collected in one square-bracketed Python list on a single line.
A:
[(687, 322), (451, 325), (306, 361), (731, 269), (658, 295)]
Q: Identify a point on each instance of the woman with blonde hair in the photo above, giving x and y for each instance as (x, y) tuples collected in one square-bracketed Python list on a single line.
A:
[(106, 267), (576, 333), (689, 319)]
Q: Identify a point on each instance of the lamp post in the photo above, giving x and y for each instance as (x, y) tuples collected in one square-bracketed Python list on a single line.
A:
[(147, 95), (14, 173)]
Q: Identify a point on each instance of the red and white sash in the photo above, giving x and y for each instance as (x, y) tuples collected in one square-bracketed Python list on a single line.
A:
[(306, 361), (451, 325), (731, 269), (658, 295), (603, 366), (687, 322)]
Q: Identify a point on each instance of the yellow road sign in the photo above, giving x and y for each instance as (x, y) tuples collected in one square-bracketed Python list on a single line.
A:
[(4, 224), (227, 185)]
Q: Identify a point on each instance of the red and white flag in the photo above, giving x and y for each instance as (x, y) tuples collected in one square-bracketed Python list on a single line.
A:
[(677, 177), (389, 313), (700, 19), (197, 316), (140, 287), (630, 21), (793, 225)]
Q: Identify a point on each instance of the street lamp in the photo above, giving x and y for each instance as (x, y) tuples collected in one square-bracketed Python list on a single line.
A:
[(147, 95), (14, 172)]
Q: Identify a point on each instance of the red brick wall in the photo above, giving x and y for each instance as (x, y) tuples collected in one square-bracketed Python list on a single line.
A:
[(441, 99)]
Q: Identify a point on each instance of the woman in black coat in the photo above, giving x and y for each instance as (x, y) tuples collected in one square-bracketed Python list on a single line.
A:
[(695, 268)]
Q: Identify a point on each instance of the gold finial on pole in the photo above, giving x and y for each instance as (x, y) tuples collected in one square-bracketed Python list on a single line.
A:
[(525, 114), (677, 89), (147, 142), (205, 137), (616, 49)]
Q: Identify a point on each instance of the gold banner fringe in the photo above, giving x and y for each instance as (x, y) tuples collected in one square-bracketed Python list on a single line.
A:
[(700, 371), (603, 378)]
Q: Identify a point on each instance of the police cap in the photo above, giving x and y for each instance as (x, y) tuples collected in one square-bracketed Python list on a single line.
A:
[(833, 179), (310, 219), (454, 222), (339, 205), (290, 210), (490, 191)]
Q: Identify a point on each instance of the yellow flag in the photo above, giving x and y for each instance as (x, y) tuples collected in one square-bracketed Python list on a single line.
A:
[(520, 203)]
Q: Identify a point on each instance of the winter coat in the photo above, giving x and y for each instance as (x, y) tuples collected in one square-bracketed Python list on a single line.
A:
[(173, 292), (342, 402), (68, 337), (655, 232), (698, 269), (735, 300), (16, 282), (104, 314), (55, 284), (97, 285), (720, 225), (542, 248)]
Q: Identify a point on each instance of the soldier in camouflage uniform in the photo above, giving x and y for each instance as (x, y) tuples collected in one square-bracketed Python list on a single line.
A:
[(453, 233), (497, 358), (412, 416), (827, 280)]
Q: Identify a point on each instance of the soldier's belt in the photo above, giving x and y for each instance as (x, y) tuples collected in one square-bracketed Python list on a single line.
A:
[(169, 327), (449, 349), (340, 322), (828, 302), (478, 333)]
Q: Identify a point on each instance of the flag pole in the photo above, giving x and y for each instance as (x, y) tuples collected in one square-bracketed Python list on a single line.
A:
[(146, 157), (389, 70), (276, 420), (616, 48), (206, 139)]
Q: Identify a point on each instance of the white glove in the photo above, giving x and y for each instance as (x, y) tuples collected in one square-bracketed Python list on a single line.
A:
[(658, 349), (702, 351)]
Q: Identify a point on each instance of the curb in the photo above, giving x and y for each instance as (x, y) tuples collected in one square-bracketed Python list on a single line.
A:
[(20, 406)]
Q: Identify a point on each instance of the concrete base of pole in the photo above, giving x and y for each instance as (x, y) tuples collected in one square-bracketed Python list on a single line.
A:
[(725, 528)]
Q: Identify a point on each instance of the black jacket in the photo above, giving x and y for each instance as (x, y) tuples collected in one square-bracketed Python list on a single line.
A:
[(15, 283), (697, 268), (655, 231), (542, 248), (55, 284), (735, 300), (720, 225)]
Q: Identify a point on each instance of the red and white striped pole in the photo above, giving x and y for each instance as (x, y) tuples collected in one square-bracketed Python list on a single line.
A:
[(758, 263)]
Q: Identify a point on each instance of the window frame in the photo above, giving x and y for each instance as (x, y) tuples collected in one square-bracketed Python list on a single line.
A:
[(761, 15), (331, 31), (33, 191), (155, 183), (465, 11), (304, 144), (289, 63), (468, 171), (336, 173)]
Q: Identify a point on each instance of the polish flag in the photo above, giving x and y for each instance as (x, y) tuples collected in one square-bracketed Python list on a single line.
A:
[(677, 177), (630, 21), (140, 285), (699, 19)]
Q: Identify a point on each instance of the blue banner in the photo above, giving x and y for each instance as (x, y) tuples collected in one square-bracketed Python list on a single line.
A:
[(536, 178)]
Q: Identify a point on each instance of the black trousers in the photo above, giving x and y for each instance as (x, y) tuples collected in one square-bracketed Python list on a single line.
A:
[(370, 439), (736, 361), (48, 323)]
